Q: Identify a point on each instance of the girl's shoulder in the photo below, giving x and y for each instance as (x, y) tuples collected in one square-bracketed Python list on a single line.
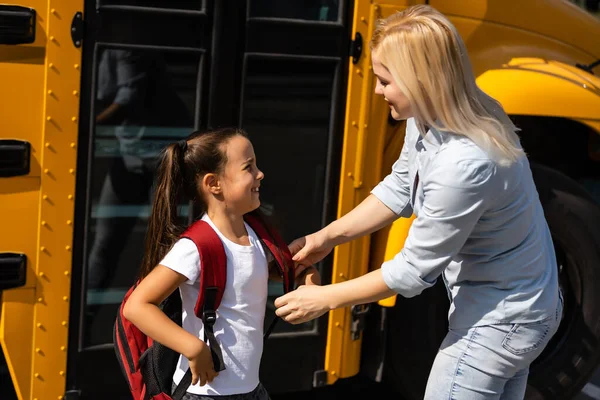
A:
[(183, 258)]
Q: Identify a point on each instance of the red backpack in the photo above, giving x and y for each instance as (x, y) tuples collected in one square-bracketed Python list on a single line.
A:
[(149, 366)]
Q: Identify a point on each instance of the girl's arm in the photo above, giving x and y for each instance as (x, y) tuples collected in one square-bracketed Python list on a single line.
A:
[(308, 276), (304, 276), (142, 310)]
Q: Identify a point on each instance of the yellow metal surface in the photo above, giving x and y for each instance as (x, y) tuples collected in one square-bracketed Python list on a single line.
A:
[(22, 71), (60, 118), (42, 109), (393, 243), (491, 45), (545, 88), (594, 124), (16, 337), (557, 24), (364, 140), (19, 198)]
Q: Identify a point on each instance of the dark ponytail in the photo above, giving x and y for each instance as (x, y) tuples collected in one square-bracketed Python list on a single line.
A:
[(180, 166)]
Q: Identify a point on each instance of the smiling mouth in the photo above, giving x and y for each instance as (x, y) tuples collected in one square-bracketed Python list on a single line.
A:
[(255, 190)]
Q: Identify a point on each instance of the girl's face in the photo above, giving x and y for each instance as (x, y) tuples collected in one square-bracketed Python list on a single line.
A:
[(240, 180), (387, 87)]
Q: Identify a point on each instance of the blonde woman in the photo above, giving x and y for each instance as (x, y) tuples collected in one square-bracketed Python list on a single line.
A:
[(479, 226)]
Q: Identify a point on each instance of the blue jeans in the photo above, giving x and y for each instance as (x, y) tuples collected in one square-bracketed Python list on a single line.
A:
[(488, 362)]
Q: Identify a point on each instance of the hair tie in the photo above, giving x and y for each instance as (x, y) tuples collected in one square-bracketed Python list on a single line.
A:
[(183, 145)]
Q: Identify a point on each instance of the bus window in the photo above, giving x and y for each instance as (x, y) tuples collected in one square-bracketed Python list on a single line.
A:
[(165, 4), (286, 109), (314, 10), (143, 100)]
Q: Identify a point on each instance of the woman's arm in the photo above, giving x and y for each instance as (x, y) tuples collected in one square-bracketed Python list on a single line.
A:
[(389, 201), (309, 302), (457, 194), (367, 217), (364, 289)]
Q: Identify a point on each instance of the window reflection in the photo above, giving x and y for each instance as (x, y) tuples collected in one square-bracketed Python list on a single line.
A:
[(143, 101), (313, 10), (287, 110), (167, 4)]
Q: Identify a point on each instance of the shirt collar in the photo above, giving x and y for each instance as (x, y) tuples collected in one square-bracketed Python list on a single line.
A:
[(433, 138)]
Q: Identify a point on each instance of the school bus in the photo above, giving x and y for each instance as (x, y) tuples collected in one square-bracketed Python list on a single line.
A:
[(92, 90)]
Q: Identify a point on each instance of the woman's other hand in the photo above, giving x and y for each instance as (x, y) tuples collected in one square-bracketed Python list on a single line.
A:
[(303, 304)]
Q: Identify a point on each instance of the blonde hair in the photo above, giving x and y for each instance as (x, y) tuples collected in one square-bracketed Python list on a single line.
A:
[(428, 60)]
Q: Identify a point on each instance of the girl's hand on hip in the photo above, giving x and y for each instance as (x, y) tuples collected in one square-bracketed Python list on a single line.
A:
[(303, 304), (201, 364)]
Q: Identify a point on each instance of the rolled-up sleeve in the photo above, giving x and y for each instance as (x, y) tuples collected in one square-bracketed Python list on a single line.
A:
[(455, 197), (394, 190)]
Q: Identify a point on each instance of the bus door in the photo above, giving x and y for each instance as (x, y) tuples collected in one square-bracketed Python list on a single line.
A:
[(155, 70), (144, 85)]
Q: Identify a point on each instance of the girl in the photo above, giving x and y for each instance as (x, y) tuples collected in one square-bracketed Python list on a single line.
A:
[(218, 171), (480, 224)]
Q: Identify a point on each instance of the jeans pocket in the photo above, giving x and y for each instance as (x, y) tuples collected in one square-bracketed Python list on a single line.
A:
[(523, 338)]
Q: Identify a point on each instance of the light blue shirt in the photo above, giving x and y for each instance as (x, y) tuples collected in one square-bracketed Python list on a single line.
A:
[(479, 225)]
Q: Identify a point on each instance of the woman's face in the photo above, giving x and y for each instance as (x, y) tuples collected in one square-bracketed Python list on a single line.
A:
[(387, 87)]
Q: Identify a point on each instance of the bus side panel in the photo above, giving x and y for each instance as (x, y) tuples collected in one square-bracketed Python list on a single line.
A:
[(16, 336), (22, 68), (61, 121), (40, 106), (19, 204)]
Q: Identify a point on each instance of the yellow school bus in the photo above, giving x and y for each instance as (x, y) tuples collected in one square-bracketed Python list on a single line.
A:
[(92, 90)]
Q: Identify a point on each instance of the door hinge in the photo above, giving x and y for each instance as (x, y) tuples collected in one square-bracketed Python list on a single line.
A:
[(359, 312), (77, 29), (356, 47)]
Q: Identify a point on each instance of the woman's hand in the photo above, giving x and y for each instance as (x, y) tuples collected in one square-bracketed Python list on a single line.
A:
[(303, 304), (310, 250), (201, 364), (367, 217), (311, 301)]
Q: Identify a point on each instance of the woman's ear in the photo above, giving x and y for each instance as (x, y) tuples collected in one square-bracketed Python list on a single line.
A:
[(212, 183)]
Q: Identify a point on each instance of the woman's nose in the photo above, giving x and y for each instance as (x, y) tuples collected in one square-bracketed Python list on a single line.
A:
[(260, 175)]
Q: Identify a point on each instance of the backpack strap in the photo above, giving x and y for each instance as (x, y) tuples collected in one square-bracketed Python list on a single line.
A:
[(213, 276), (275, 244), (182, 387)]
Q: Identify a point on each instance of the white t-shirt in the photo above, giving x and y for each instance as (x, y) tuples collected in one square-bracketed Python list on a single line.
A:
[(240, 317)]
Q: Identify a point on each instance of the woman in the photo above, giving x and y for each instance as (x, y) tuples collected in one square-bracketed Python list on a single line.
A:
[(479, 222)]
